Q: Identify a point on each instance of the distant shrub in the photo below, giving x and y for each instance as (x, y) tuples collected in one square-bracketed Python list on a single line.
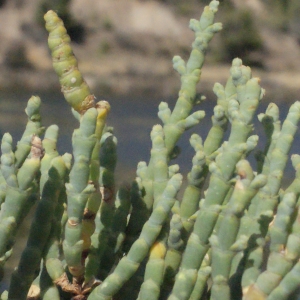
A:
[(2, 2), (16, 58), (240, 36), (294, 20), (284, 15), (107, 23), (104, 47)]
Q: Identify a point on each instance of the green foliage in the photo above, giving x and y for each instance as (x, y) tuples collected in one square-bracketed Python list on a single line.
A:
[(233, 234)]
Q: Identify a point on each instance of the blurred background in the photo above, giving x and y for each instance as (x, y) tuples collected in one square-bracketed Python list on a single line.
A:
[(125, 49), (125, 46)]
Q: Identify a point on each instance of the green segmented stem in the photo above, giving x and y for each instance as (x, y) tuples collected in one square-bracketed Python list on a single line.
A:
[(174, 253), (148, 186), (20, 187), (108, 160), (154, 272), (102, 177), (287, 285), (100, 237), (120, 217), (52, 252), (103, 109), (260, 211), (117, 231), (78, 191), (152, 181), (182, 223), (200, 285), (240, 112), (75, 89), (196, 177), (224, 244), (49, 291), (139, 213), (33, 127), (159, 156), (279, 261), (216, 133), (294, 187), (272, 126), (177, 121), (147, 183), (140, 248), (142, 199), (49, 144), (219, 243), (39, 233), (220, 118)]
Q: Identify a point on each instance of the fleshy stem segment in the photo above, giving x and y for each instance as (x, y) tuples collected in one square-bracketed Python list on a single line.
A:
[(75, 89)]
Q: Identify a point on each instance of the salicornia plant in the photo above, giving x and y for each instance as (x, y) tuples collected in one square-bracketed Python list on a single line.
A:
[(237, 239)]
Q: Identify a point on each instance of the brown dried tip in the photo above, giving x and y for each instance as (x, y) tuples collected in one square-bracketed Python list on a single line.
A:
[(103, 104), (72, 222), (88, 214), (88, 286), (87, 103), (34, 292), (107, 194), (66, 286), (37, 150)]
